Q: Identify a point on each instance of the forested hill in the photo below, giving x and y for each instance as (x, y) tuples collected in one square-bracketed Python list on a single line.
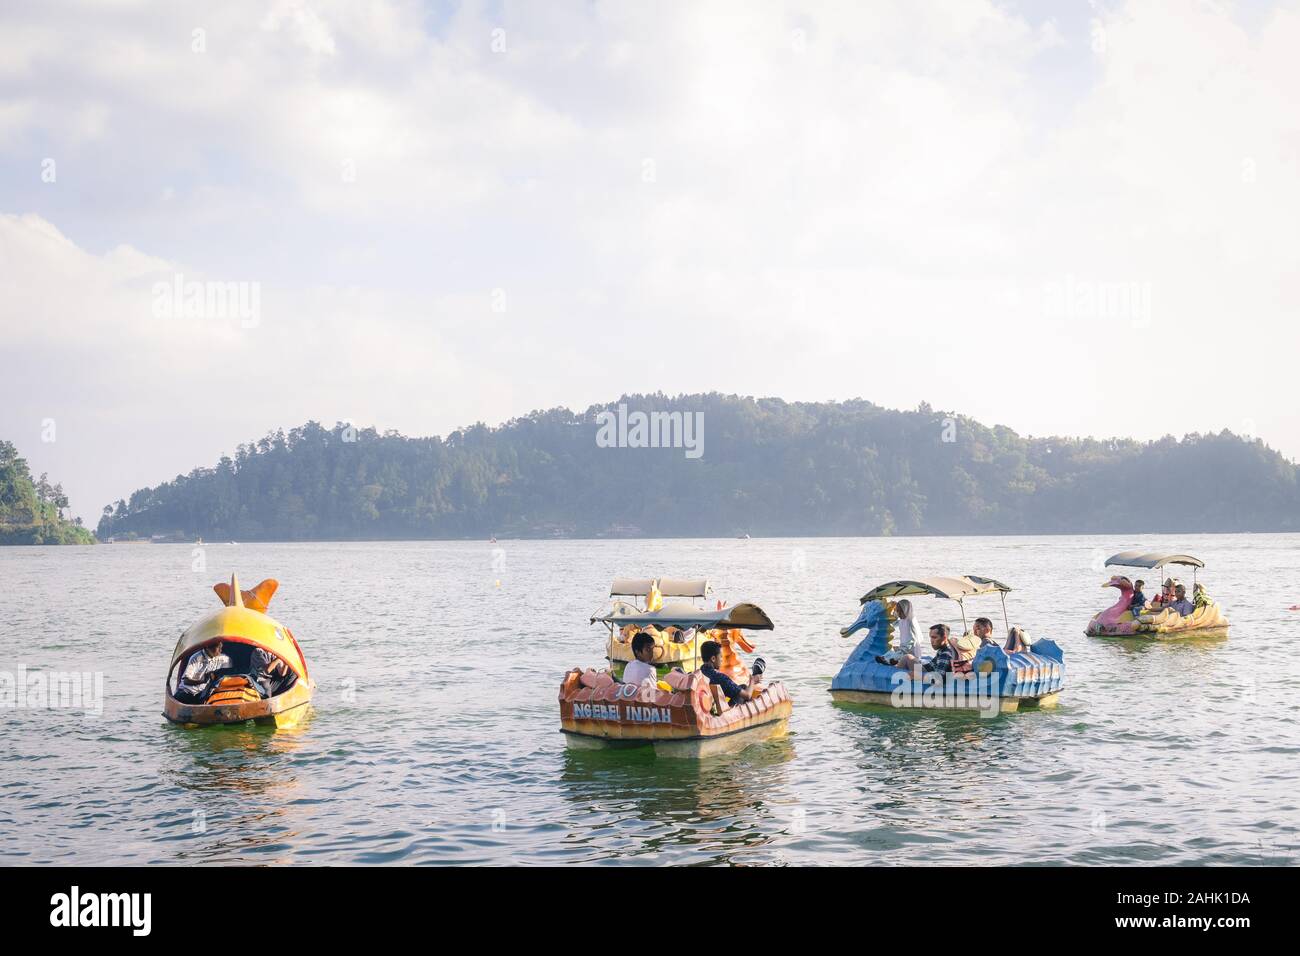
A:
[(761, 467), (31, 509)]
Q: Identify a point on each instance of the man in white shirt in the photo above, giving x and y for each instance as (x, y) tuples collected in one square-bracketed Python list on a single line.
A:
[(198, 670), (641, 669)]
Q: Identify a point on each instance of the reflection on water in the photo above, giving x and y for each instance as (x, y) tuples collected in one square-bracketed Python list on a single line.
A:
[(241, 784), (245, 758), (709, 807), (434, 732)]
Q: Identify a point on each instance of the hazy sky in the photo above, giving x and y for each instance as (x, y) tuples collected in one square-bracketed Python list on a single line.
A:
[(1067, 218)]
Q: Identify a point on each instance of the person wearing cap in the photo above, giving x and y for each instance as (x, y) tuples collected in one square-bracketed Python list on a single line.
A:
[(967, 646), (1166, 595)]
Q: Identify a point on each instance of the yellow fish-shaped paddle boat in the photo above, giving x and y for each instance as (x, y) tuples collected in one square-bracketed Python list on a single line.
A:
[(238, 664)]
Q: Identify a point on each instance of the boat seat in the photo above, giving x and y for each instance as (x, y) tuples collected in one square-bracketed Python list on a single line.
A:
[(678, 679), (233, 690), (594, 678)]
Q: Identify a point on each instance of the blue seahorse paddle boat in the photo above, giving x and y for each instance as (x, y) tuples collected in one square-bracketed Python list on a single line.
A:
[(994, 680)]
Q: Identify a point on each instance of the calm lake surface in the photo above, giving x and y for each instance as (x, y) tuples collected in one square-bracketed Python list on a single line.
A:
[(434, 737)]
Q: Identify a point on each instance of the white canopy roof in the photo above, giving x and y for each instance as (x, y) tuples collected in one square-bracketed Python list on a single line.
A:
[(952, 588), (1152, 559), (683, 614), (668, 587)]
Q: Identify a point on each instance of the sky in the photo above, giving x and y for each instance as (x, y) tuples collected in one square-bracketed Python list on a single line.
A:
[(1069, 218)]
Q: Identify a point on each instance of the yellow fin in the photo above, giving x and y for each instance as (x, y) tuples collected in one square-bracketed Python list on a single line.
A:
[(258, 599)]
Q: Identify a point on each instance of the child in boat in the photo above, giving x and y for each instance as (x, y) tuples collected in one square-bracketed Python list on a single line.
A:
[(711, 654), (1139, 600), (197, 675), (641, 669)]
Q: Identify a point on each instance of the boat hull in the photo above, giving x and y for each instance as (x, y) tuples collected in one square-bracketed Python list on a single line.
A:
[(1005, 705), (997, 681), (282, 711), (685, 748), (1187, 633), (1207, 621), (598, 712)]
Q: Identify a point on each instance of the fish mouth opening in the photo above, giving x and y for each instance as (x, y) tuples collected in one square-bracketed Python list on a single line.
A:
[(233, 678)]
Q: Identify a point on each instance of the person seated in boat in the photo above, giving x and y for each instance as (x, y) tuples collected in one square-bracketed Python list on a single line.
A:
[(1180, 602), (197, 677), (267, 671), (1166, 595), (711, 655), (1138, 602), (983, 630), (941, 662), (1017, 641), (1199, 598), (945, 651), (908, 640), (642, 668), (965, 648)]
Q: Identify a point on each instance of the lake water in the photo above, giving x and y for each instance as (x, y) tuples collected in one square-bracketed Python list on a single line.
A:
[(434, 736)]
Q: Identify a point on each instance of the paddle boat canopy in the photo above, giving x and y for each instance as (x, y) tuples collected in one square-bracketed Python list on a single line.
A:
[(230, 693), (1157, 620), (994, 680), (681, 714), (633, 596)]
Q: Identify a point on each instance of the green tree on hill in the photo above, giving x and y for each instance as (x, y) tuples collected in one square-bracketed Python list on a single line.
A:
[(31, 512), (768, 467)]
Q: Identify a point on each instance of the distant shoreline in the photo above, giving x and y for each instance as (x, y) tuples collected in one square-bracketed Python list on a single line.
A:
[(774, 537)]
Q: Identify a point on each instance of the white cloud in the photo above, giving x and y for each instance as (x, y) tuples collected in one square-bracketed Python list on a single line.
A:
[(842, 199)]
